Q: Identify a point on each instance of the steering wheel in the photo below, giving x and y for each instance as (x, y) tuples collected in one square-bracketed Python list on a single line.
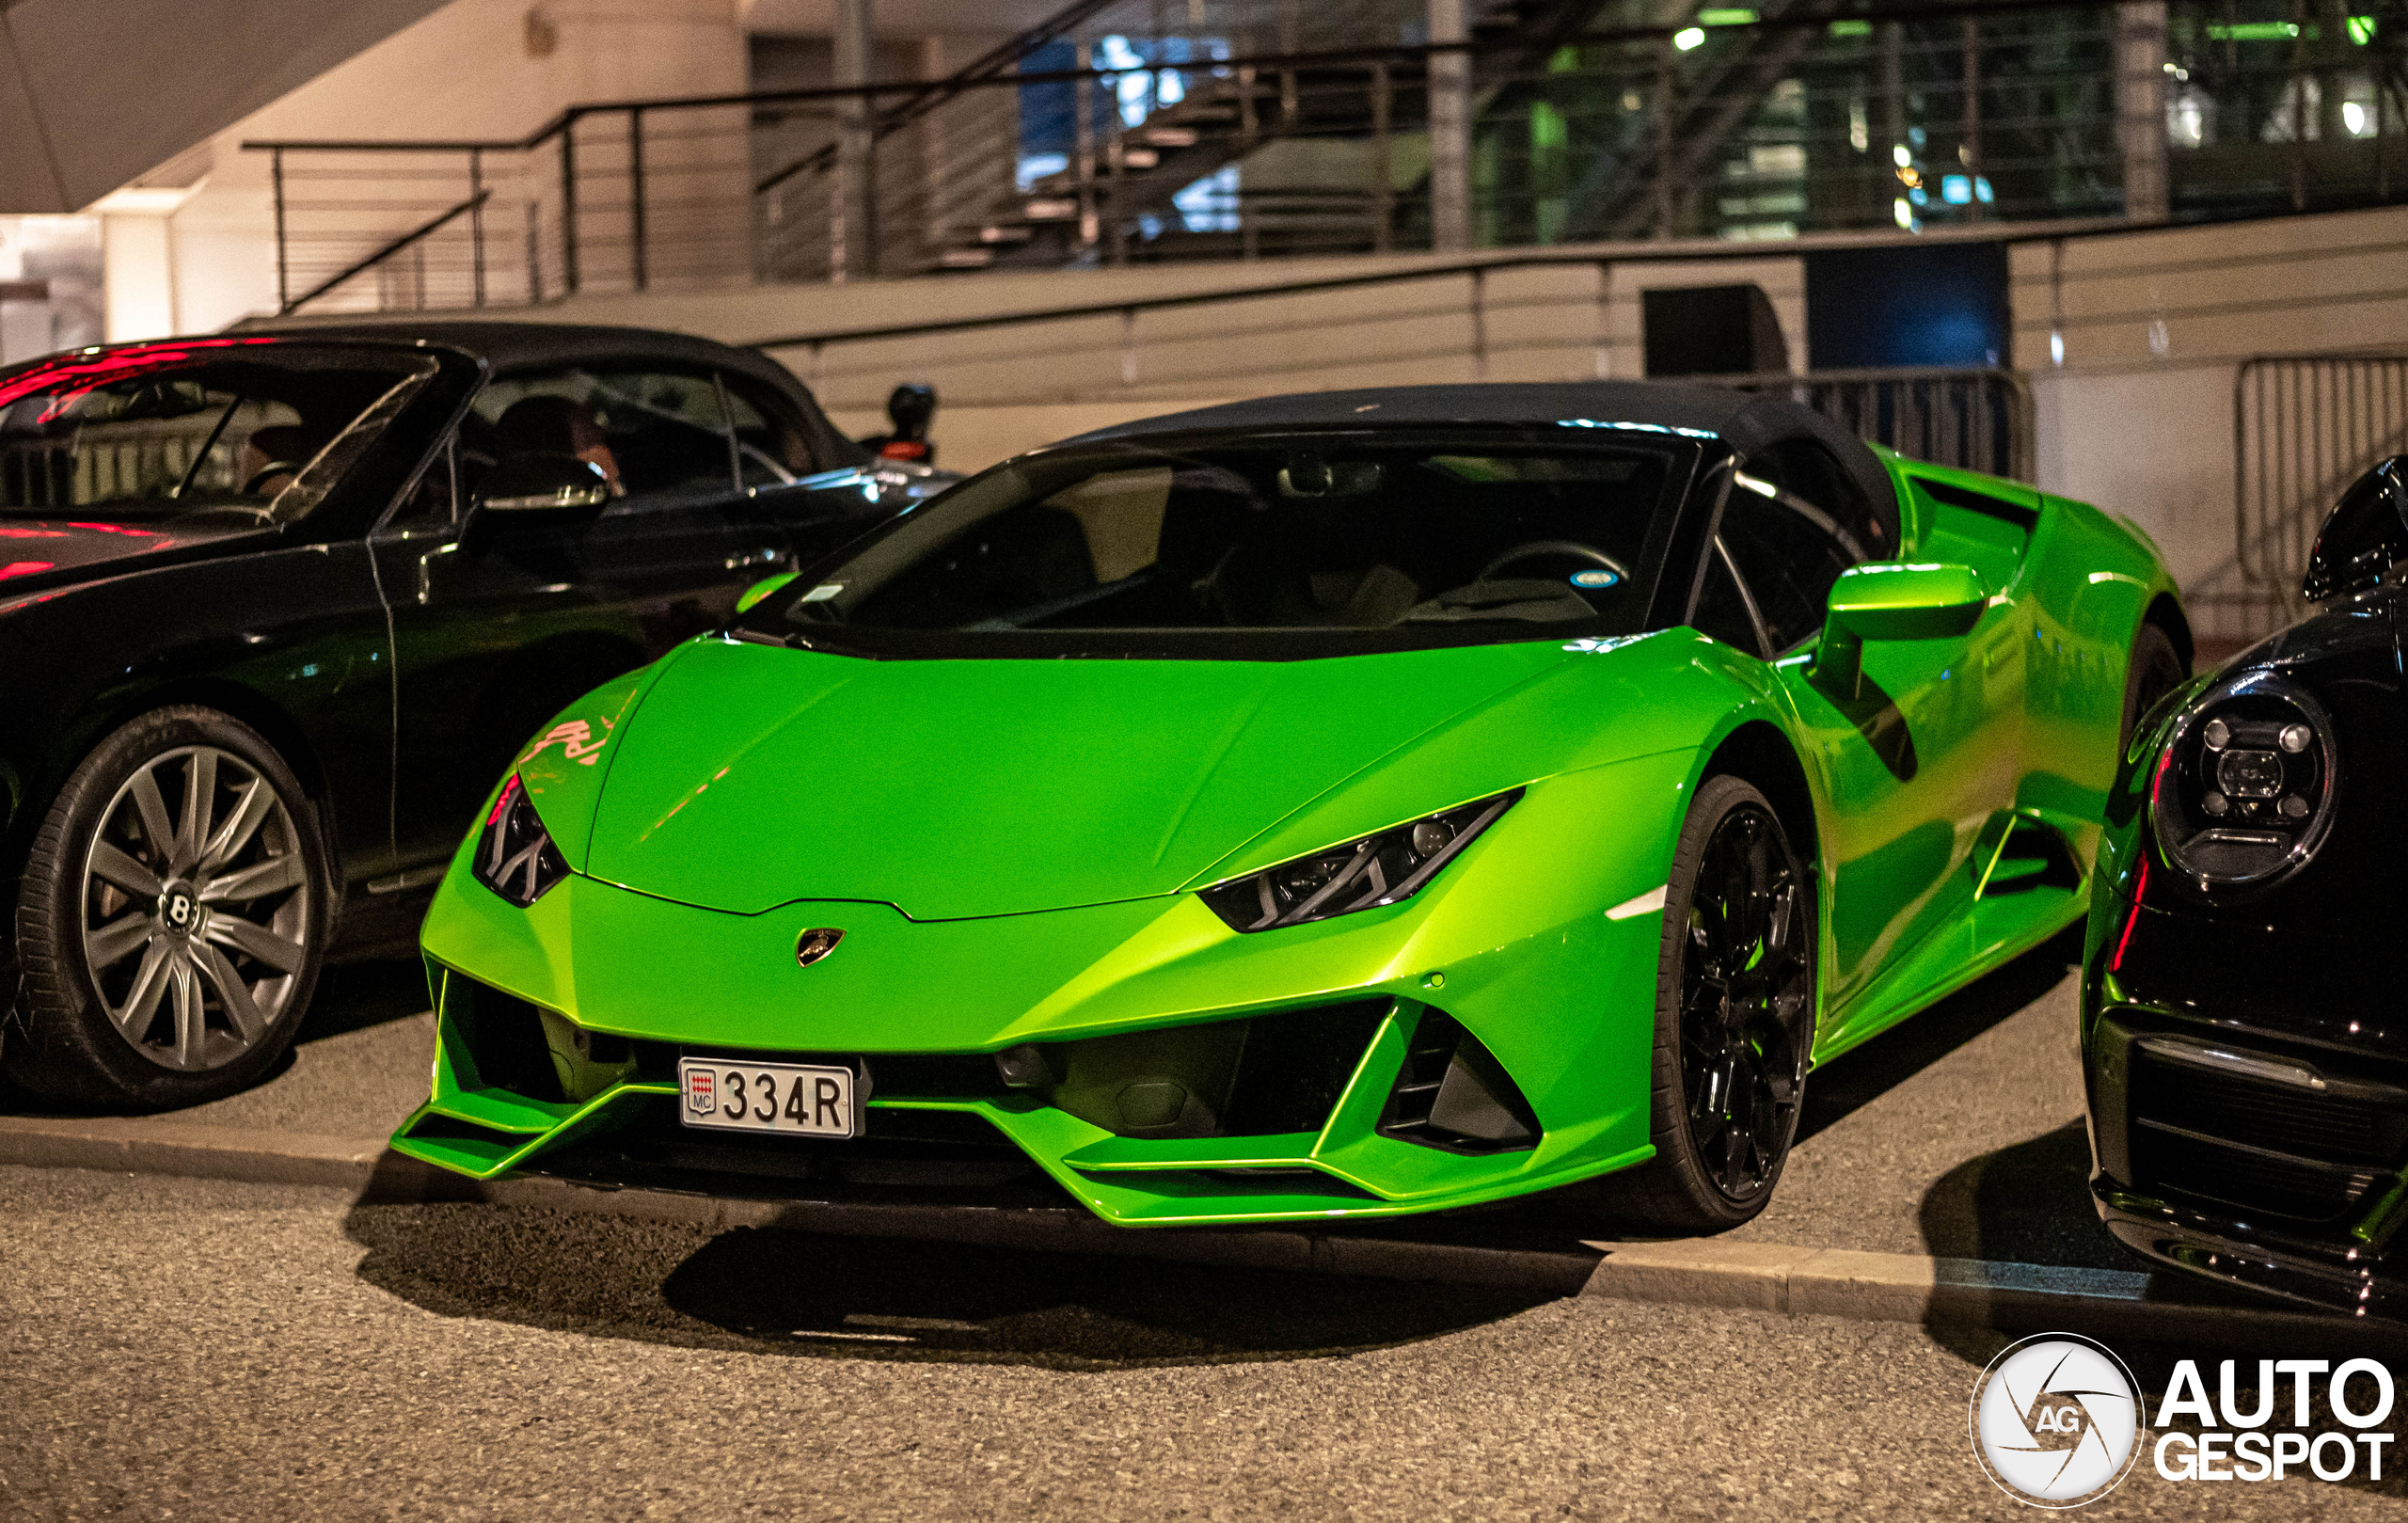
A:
[(269, 473), (1572, 548)]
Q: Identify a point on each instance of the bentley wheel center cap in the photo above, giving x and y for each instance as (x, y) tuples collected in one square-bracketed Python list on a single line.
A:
[(180, 910), (816, 944)]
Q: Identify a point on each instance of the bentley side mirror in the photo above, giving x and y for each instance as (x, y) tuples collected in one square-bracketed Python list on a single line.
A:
[(534, 488), (1892, 600)]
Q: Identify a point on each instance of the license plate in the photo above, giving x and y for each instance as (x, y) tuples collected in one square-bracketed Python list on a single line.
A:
[(809, 1100)]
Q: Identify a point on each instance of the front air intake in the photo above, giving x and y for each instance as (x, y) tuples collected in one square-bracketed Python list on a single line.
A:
[(505, 1039), (1452, 1094), (1264, 1075)]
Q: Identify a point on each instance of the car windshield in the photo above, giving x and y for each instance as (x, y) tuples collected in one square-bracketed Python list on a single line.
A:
[(212, 429), (1275, 546)]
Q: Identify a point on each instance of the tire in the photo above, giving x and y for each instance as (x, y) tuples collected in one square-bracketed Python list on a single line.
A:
[(1729, 1070), (168, 959), (2156, 670)]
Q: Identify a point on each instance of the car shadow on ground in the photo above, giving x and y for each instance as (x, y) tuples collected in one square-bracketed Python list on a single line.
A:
[(772, 1291), (2028, 1204)]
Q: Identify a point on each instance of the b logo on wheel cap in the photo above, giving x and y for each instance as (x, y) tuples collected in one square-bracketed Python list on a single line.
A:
[(179, 909), (816, 944)]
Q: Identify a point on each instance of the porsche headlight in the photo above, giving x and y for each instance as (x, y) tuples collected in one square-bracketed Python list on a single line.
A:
[(1380, 869), (515, 857), (2243, 791)]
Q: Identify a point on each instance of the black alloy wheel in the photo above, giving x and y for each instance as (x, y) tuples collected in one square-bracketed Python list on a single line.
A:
[(173, 918), (1734, 1016)]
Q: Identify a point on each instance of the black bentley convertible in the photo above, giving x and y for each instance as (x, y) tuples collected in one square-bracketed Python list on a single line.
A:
[(2245, 1041), (276, 607)]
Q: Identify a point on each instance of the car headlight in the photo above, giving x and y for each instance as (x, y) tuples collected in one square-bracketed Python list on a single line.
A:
[(1381, 869), (515, 857), (2243, 791)]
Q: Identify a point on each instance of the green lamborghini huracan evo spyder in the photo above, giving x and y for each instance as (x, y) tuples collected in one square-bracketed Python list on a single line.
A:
[(1335, 805)]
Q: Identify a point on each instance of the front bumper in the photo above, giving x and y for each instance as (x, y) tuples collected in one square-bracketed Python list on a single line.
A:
[(1539, 985), (2237, 1251), (2245, 1127)]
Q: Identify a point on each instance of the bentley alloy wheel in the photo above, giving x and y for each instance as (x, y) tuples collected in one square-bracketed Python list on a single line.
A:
[(173, 919), (196, 912)]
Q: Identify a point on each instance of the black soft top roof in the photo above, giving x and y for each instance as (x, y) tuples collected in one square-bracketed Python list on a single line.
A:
[(519, 346), (1748, 421)]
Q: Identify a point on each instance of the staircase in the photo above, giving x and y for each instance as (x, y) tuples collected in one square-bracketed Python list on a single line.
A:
[(1139, 185)]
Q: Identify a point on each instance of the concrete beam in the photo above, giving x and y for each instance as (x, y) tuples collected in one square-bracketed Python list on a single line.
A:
[(93, 95)]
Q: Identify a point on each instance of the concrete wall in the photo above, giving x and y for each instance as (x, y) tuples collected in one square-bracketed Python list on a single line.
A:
[(2154, 325), (475, 69)]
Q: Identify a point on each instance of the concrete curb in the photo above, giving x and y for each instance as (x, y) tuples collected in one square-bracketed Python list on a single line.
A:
[(1699, 1272)]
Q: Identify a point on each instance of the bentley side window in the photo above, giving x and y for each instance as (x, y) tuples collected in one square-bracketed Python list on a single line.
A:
[(247, 435), (659, 439), (771, 449), (429, 505)]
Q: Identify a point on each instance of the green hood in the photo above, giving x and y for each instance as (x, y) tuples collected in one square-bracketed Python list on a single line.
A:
[(750, 776)]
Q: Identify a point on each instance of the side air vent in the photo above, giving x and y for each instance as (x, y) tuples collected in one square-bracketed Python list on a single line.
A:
[(2033, 856), (1452, 1094)]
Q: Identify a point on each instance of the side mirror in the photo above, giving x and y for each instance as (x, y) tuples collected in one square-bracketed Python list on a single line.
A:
[(536, 488), (1892, 600)]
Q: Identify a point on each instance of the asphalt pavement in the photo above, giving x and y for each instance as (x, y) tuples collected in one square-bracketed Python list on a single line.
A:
[(192, 1348), (198, 1347)]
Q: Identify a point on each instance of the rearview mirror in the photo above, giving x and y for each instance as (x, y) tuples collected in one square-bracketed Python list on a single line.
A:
[(1892, 600)]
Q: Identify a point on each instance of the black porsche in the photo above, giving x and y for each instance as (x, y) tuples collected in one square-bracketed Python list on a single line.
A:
[(2244, 1038), (276, 607)]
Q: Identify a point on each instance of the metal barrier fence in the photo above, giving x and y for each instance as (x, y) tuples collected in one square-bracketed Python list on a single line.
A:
[(1977, 420), (1133, 130), (2305, 427)]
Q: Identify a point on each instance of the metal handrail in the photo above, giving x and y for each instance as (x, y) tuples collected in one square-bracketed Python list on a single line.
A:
[(422, 230), (1259, 63), (1152, 189)]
